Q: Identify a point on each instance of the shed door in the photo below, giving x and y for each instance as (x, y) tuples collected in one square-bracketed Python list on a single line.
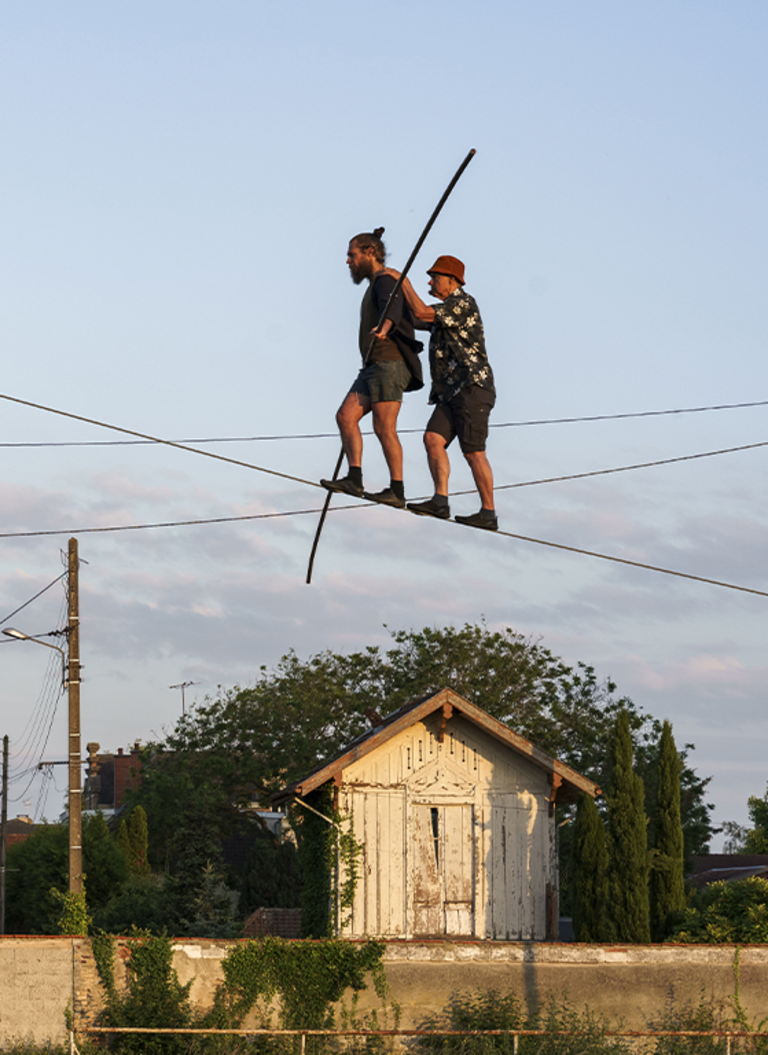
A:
[(443, 870)]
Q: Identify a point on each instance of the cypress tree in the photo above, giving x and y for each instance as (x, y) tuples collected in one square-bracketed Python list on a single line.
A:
[(590, 873), (139, 839), (627, 842), (667, 889)]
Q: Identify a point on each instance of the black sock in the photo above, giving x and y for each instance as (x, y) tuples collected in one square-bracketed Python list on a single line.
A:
[(440, 500), (355, 474), (487, 514), (397, 488)]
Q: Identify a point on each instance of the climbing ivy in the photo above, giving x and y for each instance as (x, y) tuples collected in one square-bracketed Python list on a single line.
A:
[(74, 918), (308, 977), (154, 996), (327, 851)]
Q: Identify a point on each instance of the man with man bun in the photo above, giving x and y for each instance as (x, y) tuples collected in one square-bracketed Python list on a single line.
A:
[(390, 367), (462, 389)]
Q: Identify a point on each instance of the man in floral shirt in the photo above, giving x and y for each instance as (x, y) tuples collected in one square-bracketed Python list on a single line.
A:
[(462, 389)]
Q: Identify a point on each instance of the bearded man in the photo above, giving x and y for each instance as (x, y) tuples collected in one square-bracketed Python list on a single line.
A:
[(390, 367)]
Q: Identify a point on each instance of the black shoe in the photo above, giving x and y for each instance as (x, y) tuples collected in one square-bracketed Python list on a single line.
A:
[(387, 497), (344, 486), (479, 520), (430, 508)]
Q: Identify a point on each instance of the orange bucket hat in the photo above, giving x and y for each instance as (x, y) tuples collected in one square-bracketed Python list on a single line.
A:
[(448, 265)]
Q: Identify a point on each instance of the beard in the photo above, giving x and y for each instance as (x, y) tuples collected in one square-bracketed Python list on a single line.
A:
[(361, 271)]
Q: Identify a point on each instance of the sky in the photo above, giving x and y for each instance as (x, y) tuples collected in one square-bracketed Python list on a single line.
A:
[(179, 184)]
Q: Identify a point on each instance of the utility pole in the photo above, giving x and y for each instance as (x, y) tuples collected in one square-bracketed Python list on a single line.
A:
[(75, 790), (3, 833)]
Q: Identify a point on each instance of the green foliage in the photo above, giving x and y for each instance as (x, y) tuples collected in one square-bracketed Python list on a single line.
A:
[(590, 873), (667, 886), (154, 997), (308, 977), (727, 913), (628, 850), (317, 854), (143, 902), (132, 838), (74, 918), (328, 853), (585, 1032), (41, 864), (272, 877), (246, 743)]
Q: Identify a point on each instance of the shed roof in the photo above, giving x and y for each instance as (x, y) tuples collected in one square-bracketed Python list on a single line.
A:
[(568, 782)]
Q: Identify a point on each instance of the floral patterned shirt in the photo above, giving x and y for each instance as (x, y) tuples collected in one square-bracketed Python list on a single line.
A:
[(457, 355)]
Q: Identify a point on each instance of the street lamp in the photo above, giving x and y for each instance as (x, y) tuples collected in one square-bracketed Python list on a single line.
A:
[(19, 636)]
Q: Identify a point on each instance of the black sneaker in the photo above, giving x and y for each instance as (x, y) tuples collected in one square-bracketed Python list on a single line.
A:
[(430, 508), (478, 520), (344, 486), (387, 497)]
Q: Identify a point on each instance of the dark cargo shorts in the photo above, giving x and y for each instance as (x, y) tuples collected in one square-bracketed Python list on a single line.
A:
[(466, 417), (383, 382)]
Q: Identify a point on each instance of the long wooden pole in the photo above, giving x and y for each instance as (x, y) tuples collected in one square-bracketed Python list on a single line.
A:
[(382, 319)]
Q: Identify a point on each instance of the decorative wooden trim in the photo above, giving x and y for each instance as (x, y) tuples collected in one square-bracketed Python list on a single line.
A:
[(447, 713)]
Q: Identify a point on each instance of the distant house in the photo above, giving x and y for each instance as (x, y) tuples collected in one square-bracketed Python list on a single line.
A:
[(18, 830), (455, 816), (710, 868)]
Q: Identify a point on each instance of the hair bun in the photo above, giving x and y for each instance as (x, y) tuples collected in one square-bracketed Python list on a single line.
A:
[(379, 231)]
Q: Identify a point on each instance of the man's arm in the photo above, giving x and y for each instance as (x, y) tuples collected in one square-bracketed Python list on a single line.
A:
[(420, 311)]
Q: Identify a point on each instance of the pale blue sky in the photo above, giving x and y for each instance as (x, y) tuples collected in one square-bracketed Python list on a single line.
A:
[(178, 186)]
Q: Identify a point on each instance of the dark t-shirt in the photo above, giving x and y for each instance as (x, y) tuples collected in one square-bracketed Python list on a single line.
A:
[(374, 301)]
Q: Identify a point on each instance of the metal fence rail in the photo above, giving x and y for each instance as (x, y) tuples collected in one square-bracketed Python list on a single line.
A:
[(515, 1034)]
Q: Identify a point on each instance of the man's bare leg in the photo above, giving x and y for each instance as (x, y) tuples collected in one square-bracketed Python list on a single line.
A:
[(385, 426), (348, 417), (437, 459), (483, 476)]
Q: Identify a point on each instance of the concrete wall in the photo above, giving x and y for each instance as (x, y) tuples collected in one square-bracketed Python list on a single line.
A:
[(41, 977)]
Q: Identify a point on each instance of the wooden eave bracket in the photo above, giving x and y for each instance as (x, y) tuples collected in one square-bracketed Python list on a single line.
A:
[(556, 783), (447, 713)]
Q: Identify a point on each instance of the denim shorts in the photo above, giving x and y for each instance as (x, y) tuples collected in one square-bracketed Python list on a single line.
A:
[(383, 382), (466, 417)]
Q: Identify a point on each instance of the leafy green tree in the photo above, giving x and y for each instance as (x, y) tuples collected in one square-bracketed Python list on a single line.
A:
[(667, 886), (590, 874), (272, 877), (41, 863), (143, 902), (628, 845), (727, 913)]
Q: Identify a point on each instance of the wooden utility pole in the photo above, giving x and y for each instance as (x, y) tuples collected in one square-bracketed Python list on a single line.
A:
[(75, 790), (3, 834)]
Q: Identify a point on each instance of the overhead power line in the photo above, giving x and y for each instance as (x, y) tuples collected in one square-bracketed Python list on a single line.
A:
[(402, 432), (338, 509), (38, 594), (156, 439)]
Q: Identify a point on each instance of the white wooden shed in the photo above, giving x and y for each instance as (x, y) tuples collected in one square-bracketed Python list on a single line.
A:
[(455, 816)]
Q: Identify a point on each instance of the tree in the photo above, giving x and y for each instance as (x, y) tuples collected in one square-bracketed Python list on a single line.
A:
[(272, 877), (41, 863), (727, 913), (628, 848), (590, 874), (248, 742), (667, 886)]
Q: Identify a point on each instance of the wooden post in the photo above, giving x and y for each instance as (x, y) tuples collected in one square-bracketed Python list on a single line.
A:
[(3, 831), (75, 790)]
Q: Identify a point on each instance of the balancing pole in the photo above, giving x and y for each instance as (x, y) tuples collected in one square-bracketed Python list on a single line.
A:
[(382, 319)]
